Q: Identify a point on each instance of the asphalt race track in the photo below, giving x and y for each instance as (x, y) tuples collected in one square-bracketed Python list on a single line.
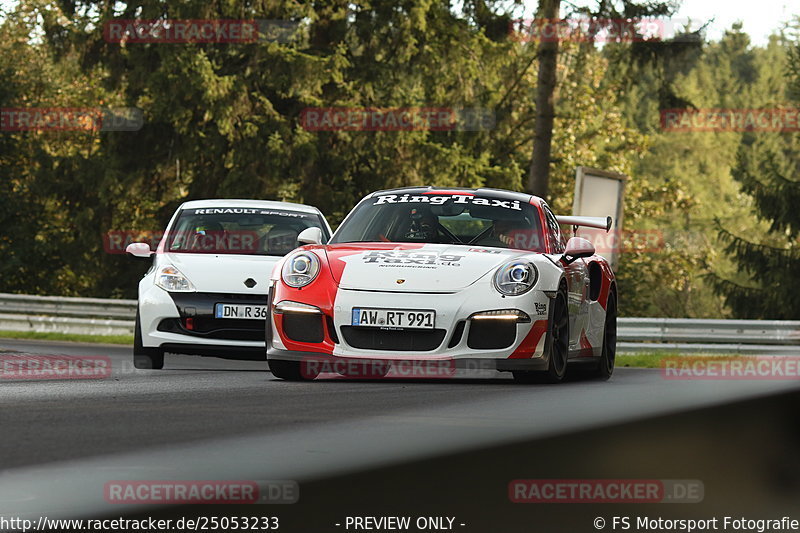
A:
[(206, 418)]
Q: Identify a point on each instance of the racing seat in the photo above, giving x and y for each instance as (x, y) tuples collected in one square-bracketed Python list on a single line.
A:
[(280, 240)]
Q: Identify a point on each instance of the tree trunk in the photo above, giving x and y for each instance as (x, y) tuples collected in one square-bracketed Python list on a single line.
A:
[(539, 174)]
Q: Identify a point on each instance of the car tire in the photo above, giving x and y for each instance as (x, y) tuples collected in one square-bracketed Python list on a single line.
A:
[(557, 346), (145, 358), (291, 370), (605, 367)]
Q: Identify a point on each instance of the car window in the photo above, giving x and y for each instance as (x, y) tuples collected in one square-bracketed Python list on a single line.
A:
[(554, 229), (445, 219), (248, 231), (464, 225)]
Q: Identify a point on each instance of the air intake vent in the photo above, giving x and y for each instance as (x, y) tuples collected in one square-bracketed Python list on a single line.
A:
[(393, 340)]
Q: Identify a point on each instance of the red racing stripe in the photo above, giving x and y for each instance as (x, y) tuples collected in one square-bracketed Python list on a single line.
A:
[(527, 347), (605, 285), (586, 346), (463, 193)]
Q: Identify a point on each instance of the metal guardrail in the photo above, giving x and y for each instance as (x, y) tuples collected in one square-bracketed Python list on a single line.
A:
[(716, 336), (65, 306), (778, 332), (59, 314), (61, 324), (95, 316)]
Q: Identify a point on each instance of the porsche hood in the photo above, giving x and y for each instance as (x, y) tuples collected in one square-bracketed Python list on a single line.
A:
[(404, 267)]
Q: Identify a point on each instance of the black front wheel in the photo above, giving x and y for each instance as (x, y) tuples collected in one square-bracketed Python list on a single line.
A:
[(145, 358), (557, 346), (605, 367)]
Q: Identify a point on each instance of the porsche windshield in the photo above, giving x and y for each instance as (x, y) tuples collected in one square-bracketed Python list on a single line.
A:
[(444, 219), (236, 230)]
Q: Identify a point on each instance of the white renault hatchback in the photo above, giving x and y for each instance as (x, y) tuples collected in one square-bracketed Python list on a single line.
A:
[(206, 292)]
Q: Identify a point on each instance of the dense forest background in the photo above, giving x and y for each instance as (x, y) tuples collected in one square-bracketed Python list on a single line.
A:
[(222, 120)]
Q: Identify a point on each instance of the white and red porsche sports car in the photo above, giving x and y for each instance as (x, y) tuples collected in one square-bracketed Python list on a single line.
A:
[(425, 274)]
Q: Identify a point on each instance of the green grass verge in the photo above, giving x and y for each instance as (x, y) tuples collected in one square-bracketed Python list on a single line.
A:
[(640, 360), (52, 336), (653, 360)]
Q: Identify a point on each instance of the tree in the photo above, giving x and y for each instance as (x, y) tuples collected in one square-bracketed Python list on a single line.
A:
[(539, 174), (224, 120), (768, 169), (607, 15)]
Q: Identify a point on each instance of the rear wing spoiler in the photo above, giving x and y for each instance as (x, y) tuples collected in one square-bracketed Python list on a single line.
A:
[(589, 222)]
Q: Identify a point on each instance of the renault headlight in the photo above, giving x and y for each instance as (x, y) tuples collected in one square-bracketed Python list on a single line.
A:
[(515, 278), (300, 269), (171, 279)]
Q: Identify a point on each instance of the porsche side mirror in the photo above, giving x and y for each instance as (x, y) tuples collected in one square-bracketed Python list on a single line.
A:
[(577, 248), (310, 236), (140, 250)]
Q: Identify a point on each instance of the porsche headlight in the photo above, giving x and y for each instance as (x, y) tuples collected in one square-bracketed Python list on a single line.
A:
[(515, 277), (300, 269), (171, 279)]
